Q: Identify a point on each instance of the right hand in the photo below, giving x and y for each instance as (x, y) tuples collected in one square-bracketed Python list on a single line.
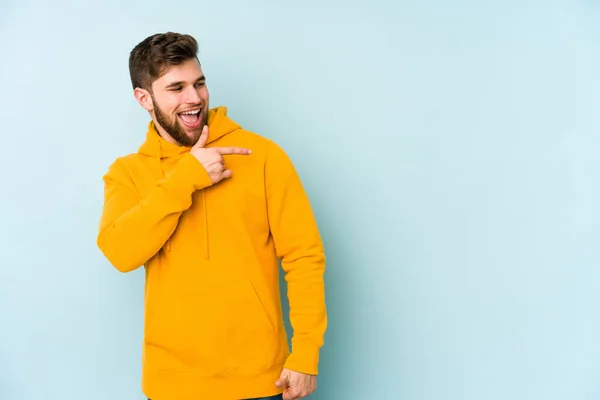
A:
[(212, 158)]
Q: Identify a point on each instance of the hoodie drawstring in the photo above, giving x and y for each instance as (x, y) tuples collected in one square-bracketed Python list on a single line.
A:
[(204, 211), (162, 170), (205, 224)]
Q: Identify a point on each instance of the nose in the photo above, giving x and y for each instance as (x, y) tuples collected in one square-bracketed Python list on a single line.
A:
[(191, 95)]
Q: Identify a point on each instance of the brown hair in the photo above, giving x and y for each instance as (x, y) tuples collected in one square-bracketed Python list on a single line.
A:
[(152, 57)]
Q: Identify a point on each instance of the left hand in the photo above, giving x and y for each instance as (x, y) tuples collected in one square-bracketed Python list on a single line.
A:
[(297, 385)]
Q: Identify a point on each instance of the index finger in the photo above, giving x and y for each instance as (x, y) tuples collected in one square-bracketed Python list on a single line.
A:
[(233, 150)]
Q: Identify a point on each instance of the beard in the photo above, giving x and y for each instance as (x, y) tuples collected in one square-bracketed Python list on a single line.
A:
[(175, 128)]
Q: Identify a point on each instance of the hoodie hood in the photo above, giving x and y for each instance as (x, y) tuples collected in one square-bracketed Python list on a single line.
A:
[(219, 125)]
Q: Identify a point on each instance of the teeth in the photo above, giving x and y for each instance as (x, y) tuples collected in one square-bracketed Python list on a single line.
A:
[(191, 112)]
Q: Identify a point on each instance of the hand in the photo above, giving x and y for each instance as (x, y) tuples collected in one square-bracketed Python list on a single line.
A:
[(297, 385), (212, 158)]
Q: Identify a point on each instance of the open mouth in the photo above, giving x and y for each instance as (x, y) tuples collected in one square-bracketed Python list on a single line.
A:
[(191, 118)]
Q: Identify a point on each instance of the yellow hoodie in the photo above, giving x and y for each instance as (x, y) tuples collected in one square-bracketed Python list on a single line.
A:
[(213, 320)]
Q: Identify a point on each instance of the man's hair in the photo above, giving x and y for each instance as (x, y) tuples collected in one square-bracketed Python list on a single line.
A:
[(152, 57)]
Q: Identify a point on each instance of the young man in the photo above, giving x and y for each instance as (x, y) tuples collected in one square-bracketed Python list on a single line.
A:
[(209, 209)]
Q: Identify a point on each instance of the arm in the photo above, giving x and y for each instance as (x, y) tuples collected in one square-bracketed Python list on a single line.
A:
[(299, 246), (133, 229)]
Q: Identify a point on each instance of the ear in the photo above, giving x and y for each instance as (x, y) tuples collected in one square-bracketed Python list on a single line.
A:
[(143, 97)]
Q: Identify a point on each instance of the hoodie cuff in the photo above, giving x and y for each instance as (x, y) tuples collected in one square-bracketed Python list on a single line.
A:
[(188, 175), (304, 358), (200, 178)]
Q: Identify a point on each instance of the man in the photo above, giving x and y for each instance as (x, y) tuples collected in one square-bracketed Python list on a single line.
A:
[(209, 209)]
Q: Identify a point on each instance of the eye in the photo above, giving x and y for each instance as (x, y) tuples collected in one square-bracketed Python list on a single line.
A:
[(175, 89), (200, 84)]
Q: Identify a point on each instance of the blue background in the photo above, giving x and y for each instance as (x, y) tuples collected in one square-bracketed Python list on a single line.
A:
[(450, 149)]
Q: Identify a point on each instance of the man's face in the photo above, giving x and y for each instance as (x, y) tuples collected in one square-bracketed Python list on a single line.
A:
[(180, 102)]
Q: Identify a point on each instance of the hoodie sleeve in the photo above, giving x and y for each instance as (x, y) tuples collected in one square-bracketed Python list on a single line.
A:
[(300, 249), (133, 229)]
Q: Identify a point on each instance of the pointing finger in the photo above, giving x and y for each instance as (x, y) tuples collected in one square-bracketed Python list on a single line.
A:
[(233, 150)]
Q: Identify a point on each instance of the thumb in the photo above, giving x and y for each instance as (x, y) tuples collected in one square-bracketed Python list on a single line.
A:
[(283, 380), (203, 137)]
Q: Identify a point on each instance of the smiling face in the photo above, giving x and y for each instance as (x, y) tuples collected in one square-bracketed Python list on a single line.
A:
[(178, 102)]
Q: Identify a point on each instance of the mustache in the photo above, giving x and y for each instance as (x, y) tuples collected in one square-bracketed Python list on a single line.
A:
[(202, 106)]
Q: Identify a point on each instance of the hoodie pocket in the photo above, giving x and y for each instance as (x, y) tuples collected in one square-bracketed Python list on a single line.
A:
[(212, 330)]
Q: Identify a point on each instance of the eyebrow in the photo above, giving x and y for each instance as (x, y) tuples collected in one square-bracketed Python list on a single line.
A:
[(179, 83)]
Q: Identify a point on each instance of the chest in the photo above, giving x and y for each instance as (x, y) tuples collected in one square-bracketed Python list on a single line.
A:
[(231, 205)]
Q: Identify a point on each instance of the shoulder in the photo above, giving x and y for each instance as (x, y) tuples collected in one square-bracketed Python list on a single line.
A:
[(121, 167), (251, 137), (259, 144)]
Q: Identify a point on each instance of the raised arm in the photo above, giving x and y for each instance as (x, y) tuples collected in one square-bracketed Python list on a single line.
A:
[(133, 228)]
